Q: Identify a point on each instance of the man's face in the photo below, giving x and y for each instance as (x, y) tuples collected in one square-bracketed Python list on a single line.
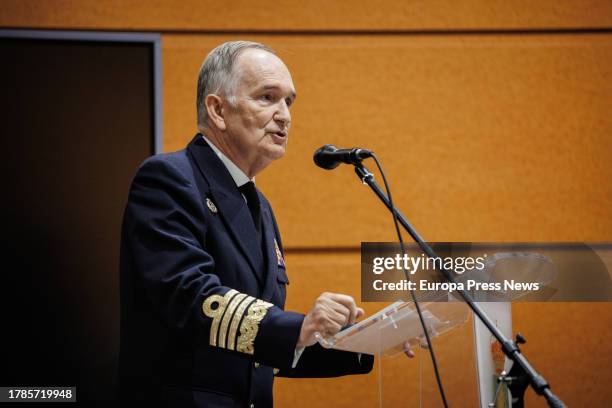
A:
[(257, 123)]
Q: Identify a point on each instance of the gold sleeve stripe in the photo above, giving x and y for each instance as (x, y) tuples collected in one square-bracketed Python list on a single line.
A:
[(250, 326), (227, 317), (231, 339), (217, 312)]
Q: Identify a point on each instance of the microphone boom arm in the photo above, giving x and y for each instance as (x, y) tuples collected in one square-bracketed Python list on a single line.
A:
[(521, 366)]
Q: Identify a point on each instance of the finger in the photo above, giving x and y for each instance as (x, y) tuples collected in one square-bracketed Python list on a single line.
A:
[(348, 302), (408, 350), (332, 328), (342, 310), (339, 317), (360, 313)]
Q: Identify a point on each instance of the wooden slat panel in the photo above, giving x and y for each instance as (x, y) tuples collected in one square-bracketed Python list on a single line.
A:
[(484, 138), (299, 15)]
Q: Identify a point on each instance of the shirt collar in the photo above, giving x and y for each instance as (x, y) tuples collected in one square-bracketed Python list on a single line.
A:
[(238, 175)]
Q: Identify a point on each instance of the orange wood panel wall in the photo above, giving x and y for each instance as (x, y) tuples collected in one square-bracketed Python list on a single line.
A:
[(304, 15), (483, 137), (491, 118)]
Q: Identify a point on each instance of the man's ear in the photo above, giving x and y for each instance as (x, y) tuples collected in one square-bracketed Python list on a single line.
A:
[(215, 111)]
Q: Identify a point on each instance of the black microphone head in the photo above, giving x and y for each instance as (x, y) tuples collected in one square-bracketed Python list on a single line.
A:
[(361, 154), (324, 160)]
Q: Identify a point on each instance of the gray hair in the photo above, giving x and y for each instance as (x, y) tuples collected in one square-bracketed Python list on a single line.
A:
[(216, 74)]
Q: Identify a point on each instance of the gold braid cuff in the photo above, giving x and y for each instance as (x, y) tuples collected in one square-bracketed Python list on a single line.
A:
[(233, 329), (217, 313), (250, 326), (227, 317), (227, 312)]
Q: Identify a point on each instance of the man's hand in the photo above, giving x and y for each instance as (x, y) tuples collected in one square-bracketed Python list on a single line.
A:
[(330, 313)]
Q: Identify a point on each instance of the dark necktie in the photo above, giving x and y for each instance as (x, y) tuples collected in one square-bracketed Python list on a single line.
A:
[(250, 193)]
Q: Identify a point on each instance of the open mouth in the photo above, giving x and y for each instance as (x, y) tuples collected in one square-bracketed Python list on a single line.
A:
[(279, 136)]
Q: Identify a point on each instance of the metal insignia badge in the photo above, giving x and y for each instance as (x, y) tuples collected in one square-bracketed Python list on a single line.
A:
[(211, 206), (280, 261)]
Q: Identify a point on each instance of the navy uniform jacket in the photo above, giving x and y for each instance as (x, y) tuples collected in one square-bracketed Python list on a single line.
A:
[(202, 319)]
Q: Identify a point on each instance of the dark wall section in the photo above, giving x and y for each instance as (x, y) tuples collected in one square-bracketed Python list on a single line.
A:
[(77, 119)]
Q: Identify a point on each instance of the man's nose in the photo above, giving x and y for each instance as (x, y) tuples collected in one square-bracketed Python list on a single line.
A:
[(282, 113)]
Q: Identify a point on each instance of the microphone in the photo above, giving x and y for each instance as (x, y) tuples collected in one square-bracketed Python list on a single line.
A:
[(329, 156)]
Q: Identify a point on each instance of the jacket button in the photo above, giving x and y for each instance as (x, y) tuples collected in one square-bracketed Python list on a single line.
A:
[(256, 364)]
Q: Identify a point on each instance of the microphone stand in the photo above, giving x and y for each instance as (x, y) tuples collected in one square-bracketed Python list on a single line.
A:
[(522, 373)]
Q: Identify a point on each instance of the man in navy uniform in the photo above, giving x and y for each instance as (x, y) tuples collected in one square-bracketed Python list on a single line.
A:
[(202, 270)]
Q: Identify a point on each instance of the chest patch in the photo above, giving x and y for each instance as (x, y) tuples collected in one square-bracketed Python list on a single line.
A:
[(280, 261), (211, 206)]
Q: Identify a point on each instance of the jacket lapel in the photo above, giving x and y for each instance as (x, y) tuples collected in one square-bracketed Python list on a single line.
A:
[(230, 203)]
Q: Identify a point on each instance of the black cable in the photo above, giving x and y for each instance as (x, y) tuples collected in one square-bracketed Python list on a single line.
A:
[(412, 292)]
